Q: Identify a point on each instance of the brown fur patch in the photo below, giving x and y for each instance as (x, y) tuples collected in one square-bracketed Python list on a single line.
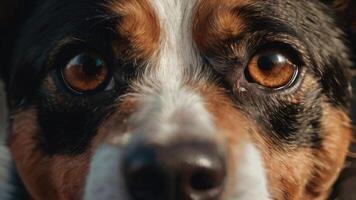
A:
[(231, 125), (306, 173), (283, 168), (56, 177), (288, 170), (215, 22), (329, 160), (138, 28), (292, 173), (59, 176)]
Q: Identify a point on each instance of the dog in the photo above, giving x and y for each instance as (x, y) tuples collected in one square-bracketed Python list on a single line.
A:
[(175, 99)]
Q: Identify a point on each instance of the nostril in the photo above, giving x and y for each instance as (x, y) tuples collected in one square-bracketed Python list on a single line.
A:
[(205, 175), (205, 180), (141, 177), (194, 172), (144, 177)]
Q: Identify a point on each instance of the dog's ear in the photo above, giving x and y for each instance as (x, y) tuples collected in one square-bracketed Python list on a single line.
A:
[(10, 13)]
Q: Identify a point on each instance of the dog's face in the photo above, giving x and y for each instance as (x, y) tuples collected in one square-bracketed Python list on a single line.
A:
[(190, 99)]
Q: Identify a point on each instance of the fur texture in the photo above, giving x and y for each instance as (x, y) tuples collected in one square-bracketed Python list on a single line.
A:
[(177, 76)]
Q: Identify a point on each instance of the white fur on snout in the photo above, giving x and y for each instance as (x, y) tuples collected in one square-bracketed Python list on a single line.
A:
[(166, 115), (105, 180), (250, 176), (167, 103)]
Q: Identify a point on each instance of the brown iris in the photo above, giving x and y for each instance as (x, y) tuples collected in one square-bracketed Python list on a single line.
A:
[(272, 69), (85, 72)]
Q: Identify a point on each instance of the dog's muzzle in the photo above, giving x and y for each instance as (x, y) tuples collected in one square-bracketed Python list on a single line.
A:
[(181, 168)]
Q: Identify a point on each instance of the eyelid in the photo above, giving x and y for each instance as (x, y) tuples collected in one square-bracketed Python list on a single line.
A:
[(61, 47), (289, 49), (69, 46)]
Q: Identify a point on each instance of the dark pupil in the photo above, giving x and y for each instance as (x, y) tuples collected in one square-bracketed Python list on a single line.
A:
[(266, 62), (91, 65)]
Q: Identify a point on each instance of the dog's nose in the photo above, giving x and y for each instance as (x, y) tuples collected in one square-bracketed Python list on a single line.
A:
[(184, 171)]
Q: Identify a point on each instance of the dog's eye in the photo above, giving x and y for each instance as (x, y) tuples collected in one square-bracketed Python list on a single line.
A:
[(272, 69), (86, 72)]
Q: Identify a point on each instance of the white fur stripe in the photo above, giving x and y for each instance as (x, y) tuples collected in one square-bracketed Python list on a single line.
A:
[(251, 181), (177, 53), (162, 95), (105, 180)]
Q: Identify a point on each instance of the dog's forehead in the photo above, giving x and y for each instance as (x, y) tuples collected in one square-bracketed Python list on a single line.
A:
[(153, 25), (172, 34), (160, 32)]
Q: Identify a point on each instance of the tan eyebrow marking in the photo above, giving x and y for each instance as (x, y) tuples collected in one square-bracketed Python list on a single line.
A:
[(216, 21), (138, 28)]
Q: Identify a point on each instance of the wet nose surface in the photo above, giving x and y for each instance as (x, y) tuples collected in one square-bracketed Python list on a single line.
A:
[(182, 171)]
